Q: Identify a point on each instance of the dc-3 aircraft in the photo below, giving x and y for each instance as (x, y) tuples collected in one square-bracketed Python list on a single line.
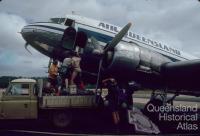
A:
[(107, 50)]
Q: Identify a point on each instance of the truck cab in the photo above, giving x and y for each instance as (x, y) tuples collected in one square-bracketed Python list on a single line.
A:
[(19, 100)]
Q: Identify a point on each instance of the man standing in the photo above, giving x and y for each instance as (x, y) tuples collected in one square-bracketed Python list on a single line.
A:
[(112, 98)]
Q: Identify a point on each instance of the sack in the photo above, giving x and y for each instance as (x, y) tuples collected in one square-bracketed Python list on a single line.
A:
[(142, 124)]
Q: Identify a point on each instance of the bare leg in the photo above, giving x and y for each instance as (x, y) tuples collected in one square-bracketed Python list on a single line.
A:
[(66, 83), (116, 118), (74, 74)]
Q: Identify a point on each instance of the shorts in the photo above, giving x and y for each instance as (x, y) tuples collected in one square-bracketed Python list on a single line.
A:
[(77, 69), (67, 75), (113, 106), (52, 81)]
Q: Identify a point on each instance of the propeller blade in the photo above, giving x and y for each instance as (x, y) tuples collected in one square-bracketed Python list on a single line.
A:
[(26, 45), (118, 37)]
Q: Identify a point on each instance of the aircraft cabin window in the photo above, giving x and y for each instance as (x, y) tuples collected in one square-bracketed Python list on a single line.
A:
[(69, 22), (18, 89)]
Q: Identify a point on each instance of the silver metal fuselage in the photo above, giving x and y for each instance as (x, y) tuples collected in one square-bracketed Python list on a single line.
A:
[(40, 34), (131, 59)]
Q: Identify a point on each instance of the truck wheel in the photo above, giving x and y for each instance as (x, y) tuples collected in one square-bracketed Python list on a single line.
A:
[(62, 119)]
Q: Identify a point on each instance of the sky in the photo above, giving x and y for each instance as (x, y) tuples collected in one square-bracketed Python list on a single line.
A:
[(175, 23)]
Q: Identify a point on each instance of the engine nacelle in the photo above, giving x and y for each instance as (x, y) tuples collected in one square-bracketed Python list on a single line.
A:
[(123, 60), (127, 60)]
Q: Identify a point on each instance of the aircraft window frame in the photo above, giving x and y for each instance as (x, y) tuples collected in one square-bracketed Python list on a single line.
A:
[(18, 89)]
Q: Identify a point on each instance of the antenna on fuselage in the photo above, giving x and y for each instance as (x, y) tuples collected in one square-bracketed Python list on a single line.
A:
[(75, 12)]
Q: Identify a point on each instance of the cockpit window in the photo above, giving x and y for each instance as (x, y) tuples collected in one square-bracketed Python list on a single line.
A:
[(58, 20), (69, 22)]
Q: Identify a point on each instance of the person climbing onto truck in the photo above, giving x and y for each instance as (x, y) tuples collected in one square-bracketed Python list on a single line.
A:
[(53, 73), (65, 72), (76, 70)]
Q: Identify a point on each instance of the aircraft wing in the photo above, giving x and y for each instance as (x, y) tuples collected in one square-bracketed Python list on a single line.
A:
[(182, 74)]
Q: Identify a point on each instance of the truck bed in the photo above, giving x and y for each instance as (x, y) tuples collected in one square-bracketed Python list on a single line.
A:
[(67, 101)]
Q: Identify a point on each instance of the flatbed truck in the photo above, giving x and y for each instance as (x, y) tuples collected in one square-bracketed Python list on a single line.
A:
[(24, 99)]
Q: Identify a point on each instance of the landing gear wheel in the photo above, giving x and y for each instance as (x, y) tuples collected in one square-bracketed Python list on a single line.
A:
[(62, 119)]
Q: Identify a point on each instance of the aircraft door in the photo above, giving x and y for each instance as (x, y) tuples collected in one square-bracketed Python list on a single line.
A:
[(68, 39), (16, 102), (81, 39)]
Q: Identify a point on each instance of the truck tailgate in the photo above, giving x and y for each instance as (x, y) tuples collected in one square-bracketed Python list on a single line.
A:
[(67, 101)]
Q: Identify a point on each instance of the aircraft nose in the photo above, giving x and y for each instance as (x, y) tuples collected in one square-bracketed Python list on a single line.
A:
[(22, 33), (35, 38), (26, 32)]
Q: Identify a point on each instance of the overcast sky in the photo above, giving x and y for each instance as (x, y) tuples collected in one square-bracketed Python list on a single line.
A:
[(173, 22)]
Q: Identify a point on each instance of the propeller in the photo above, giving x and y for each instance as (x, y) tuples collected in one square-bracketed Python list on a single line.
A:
[(111, 46), (117, 38), (26, 45)]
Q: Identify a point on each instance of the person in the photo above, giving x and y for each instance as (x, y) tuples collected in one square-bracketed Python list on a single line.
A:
[(122, 96), (76, 68), (53, 73), (112, 98), (65, 71)]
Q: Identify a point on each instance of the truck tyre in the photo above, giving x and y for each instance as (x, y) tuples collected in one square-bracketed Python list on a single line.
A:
[(62, 119)]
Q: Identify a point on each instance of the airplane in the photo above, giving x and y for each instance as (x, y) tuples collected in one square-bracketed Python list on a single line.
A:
[(107, 50)]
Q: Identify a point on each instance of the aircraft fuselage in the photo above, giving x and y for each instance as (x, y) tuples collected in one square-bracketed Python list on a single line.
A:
[(134, 58)]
